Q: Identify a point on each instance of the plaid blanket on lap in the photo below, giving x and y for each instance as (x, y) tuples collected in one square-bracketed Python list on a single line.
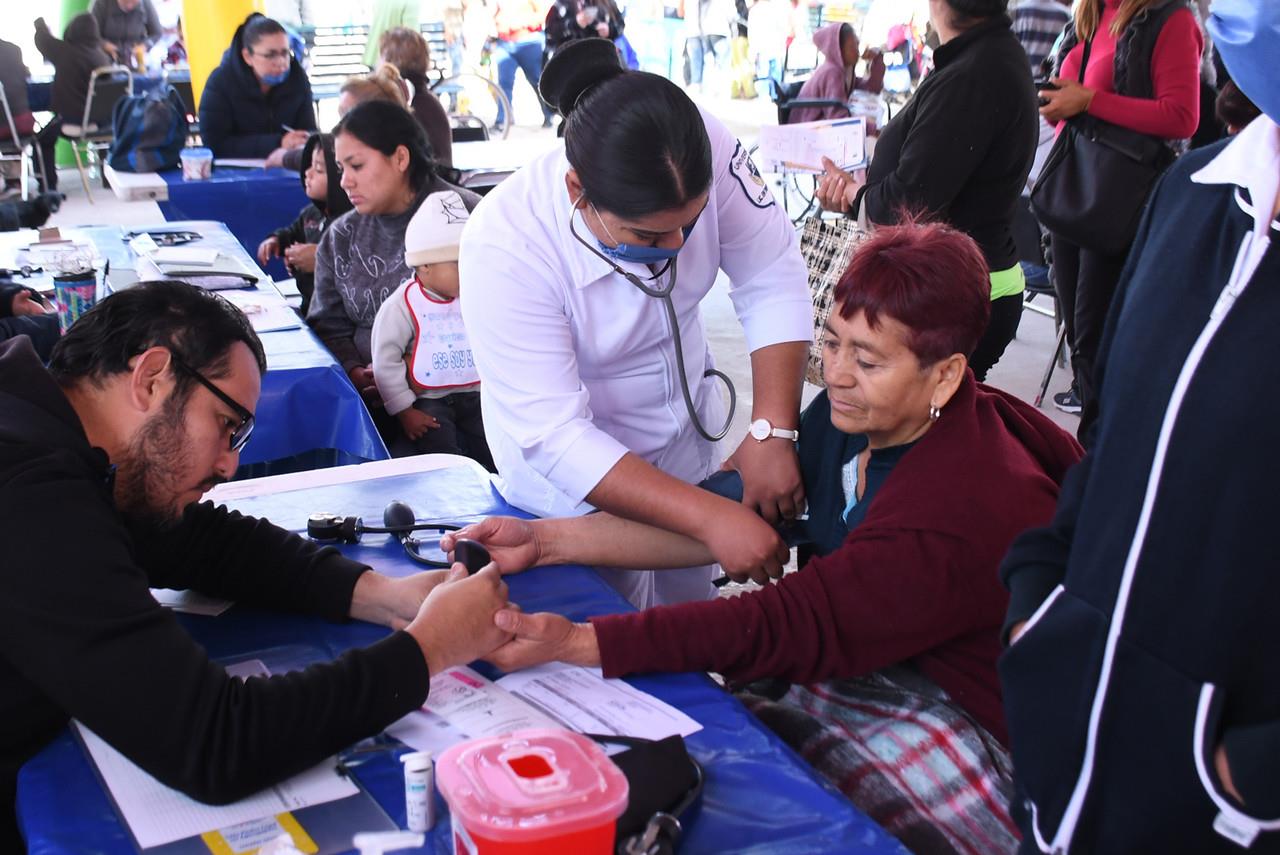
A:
[(905, 755)]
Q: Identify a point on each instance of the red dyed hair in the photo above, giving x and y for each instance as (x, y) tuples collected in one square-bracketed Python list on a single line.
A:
[(930, 278)]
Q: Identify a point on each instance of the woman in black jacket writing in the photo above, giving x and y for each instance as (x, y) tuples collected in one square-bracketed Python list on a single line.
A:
[(258, 99)]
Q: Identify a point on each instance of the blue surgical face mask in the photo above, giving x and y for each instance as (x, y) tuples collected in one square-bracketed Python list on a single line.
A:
[(1246, 33), (276, 79), (638, 254)]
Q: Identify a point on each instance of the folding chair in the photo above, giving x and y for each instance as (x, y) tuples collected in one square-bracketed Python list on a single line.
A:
[(94, 134), (18, 148), (468, 129), (474, 98)]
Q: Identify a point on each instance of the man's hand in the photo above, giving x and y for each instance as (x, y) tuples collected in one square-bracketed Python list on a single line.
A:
[(112, 50), (392, 601), (771, 484), (512, 543), (456, 622), (543, 637), (275, 159), (838, 189), (416, 423), (1069, 99), (746, 546), (25, 303), (362, 378), (294, 139), (301, 257), (268, 250)]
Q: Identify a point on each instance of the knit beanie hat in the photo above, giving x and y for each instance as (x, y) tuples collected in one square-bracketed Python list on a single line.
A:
[(435, 230)]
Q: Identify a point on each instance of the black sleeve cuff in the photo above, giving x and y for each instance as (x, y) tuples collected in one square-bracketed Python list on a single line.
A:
[(332, 600), (1028, 589)]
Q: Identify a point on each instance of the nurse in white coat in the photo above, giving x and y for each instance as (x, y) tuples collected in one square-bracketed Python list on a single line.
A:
[(583, 401)]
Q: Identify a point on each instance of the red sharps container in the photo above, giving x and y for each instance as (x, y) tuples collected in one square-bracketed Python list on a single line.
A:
[(532, 792)]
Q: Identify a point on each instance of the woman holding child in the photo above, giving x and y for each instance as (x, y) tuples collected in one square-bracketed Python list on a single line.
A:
[(387, 172), (918, 479)]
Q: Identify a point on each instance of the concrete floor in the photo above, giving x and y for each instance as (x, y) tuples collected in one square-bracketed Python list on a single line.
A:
[(1019, 372)]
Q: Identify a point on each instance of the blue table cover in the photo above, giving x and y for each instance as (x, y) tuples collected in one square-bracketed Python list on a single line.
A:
[(309, 414), (759, 796), (252, 202)]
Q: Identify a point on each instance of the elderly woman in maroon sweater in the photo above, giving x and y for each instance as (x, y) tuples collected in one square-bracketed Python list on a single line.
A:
[(890, 636)]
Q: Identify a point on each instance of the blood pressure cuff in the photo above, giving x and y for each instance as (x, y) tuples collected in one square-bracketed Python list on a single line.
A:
[(727, 483), (665, 793)]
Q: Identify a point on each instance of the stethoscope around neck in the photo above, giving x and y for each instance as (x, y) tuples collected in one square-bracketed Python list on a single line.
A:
[(663, 295)]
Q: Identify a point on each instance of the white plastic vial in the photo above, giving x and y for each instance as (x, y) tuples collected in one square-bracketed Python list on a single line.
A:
[(419, 782)]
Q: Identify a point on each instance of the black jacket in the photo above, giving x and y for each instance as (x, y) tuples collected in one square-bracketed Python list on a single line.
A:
[(237, 119), (962, 147), (74, 57), (1191, 627), (80, 634), (41, 329)]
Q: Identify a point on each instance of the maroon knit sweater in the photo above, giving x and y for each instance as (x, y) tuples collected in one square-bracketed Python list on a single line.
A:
[(915, 582)]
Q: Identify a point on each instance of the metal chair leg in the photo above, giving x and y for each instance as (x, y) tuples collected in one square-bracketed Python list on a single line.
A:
[(1053, 363), (84, 176)]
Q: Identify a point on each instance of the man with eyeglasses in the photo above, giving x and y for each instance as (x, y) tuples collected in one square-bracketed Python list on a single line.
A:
[(104, 456), (257, 102)]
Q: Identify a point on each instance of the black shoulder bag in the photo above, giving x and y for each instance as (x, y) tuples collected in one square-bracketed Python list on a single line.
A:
[(1096, 181)]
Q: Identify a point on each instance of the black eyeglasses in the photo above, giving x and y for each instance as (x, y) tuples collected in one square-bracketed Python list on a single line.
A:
[(242, 431)]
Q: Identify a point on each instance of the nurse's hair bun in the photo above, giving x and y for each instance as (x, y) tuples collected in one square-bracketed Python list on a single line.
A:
[(575, 69)]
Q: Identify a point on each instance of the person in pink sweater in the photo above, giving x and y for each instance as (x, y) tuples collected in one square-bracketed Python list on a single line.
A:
[(1143, 74), (836, 79), (918, 479)]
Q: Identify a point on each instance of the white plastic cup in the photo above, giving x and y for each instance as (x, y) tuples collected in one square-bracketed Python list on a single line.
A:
[(197, 163)]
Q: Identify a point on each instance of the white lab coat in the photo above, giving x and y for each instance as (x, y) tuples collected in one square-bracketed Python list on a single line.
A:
[(577, 366)]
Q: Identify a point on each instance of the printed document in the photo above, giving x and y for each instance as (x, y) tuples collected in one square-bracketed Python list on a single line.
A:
[(463, 705), (801, 147)]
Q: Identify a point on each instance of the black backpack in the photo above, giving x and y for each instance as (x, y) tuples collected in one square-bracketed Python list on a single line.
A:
[(150, 131)]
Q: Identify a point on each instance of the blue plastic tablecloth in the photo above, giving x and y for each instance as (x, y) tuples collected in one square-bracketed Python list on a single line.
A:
[(759, 796), (251, 202), (309, 414)]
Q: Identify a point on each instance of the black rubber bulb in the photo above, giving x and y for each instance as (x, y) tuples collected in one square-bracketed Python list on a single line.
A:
[(399, 515)]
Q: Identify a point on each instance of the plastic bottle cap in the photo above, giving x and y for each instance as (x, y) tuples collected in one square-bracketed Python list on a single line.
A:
[(416, 761)]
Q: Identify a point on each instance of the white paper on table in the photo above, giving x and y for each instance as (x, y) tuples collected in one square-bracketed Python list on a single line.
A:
[(582, 699), (157, 814), (190, 602), (801, 147), (266, 312), (241, 162), (463, 705), (185, 255)]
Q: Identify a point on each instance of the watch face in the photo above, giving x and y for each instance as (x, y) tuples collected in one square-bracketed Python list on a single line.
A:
[(760, 429)]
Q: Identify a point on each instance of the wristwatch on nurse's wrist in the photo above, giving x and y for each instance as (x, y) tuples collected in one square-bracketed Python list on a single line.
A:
[(762, 429)]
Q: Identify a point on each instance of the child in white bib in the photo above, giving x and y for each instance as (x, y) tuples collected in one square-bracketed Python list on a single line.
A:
[(421, 357)]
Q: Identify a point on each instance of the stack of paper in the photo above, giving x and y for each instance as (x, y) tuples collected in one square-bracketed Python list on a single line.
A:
[(463, 705)]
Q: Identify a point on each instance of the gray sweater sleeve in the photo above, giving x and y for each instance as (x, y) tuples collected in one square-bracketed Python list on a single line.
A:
[(327, 315)]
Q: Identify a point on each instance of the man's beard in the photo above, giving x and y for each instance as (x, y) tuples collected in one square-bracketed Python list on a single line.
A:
[(149, 476)]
